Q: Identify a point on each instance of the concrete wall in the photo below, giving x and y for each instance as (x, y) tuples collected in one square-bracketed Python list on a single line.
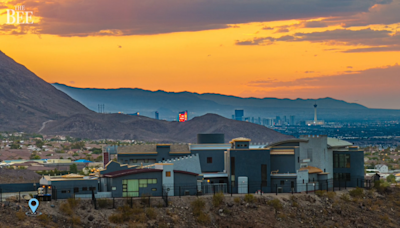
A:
[(316, 149), (217, 164), (189, 163)]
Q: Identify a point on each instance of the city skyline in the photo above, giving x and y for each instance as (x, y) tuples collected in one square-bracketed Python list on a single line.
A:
[(345, 50)]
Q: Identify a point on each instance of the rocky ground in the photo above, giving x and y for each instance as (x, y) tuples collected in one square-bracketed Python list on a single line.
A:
[(355, 208)]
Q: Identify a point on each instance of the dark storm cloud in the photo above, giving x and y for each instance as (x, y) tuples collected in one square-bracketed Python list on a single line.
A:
[(369, 37), (127, 17)]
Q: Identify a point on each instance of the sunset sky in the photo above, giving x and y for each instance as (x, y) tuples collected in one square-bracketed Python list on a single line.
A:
[(345, 49)]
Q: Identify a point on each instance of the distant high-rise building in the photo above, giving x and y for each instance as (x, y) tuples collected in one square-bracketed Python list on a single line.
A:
[(252, 119), (292, 120), (315, 113), (239, 113), (278, 120), (157, 115)]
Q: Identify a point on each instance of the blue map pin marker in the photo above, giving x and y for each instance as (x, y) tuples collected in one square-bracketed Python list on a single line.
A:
[(33, 204)]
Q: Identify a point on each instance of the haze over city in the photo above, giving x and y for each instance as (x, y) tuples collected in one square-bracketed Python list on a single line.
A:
[(347, 50)]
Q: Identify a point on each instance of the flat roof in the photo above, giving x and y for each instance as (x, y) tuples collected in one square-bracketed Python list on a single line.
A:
[(335, 142), (214, 146), (214, 175)]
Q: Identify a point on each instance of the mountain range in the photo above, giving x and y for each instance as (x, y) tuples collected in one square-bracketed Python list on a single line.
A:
[(29, 104), (168, 104)]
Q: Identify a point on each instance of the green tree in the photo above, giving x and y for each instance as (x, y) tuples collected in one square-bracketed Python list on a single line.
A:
[(15, 145), (39, 143), (391, 178), (73, 168), (99, 159), (78, 145)]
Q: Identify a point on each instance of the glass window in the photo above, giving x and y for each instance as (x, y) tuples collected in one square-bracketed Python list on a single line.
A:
[(282, 182), (168, 173), (84, 189), (143, 183), (153, 189), (209, 159), (264, 174), (347, 160), (341, 161)]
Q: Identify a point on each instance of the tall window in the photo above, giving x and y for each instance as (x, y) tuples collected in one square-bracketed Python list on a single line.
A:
[(233, 170), (342, 176), (264, 174), (209, 159), (168, 173), (341, 161)]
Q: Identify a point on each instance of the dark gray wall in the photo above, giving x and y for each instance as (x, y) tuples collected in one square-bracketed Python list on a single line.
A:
[(185, 182), (356, 169), (248, 163), (283, 163), (65, 189), (20, 187)]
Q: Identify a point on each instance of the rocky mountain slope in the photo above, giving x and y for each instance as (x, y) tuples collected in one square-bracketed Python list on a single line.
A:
[(26, 101), (29, 104), (119, 126)]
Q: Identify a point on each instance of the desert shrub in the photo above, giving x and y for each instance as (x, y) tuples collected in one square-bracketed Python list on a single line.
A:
[(198, 205), (44, 219), (249, 198), (384, 218), (293, 200), (123, 214), (115, 218), (218, 199), (345, 197), (75, 220), (103, 203), (65, 208), (141, 218), (151, 213), (236, 200), (320, 193), (73, 202), (20, 215), (203, 218), (331, 195), (357, 192), (276, 204), (381, 186)]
